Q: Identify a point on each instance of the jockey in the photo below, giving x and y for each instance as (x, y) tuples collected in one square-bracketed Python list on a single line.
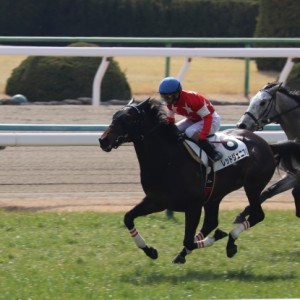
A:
[(201, 119)]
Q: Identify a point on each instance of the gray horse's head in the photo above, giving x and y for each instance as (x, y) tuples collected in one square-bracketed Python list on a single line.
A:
[(261, 109)]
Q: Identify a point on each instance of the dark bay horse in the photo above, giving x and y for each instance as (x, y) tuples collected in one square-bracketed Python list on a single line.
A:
[(276, 104), (172, 179)]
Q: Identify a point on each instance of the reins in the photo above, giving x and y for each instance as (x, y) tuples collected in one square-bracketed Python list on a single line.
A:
[(141, 136), (267, 110), (270, 120)]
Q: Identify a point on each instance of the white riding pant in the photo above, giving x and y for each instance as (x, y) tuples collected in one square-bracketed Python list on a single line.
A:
[(191, 128)]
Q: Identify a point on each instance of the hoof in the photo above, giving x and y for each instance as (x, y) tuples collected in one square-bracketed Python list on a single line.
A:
[(239, 219), (219, 234), (151, 252), (231, 248), (179, 259), (231, 252)]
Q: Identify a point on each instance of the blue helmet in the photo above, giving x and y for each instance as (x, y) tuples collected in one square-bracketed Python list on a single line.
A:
[(170, 85)]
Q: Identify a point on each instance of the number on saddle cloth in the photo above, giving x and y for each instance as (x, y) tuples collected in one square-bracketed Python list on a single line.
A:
[(232, 149)]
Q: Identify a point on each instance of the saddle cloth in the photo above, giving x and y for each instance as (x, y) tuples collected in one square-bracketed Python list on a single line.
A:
[(232, 149)]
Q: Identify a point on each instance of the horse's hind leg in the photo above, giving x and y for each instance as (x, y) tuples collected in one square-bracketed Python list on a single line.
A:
[(256, 216), (142, 209), (285, 183)]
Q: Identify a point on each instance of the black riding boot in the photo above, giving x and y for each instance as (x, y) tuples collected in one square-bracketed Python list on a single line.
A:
[(210, 150)]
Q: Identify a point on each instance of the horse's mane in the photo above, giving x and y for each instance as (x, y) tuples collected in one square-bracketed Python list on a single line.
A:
[(158, 112), (285, 90), (155, 107)]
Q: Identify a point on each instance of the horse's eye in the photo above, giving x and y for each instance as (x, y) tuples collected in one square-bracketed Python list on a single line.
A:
[(262, 103)]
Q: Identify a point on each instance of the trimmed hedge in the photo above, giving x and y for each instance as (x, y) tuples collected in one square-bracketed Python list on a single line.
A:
[(60, 78), (131, 18), (277, 18), (293, 80)]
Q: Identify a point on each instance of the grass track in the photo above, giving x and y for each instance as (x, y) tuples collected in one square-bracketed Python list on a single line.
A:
[(91, 256)]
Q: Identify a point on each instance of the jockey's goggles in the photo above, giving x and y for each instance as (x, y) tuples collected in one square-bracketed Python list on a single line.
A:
[(168, 96)]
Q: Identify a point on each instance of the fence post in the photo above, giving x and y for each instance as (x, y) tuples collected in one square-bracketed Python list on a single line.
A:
[(247, 69), (98, 80), (168, 60)]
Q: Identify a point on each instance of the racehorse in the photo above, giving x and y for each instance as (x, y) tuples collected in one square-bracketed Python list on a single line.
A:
[(275, 104), (172, 179)]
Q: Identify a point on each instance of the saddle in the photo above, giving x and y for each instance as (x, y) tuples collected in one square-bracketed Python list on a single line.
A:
[(232, 149)]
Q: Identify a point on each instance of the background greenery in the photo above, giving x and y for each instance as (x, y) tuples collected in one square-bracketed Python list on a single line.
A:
[(92, 256), (166, 18), (146, 18), (277, 19), (47, 78), (217, 79)]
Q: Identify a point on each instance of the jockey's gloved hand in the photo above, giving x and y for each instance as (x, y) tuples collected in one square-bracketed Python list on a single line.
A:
[(181, 137), (202, 144)]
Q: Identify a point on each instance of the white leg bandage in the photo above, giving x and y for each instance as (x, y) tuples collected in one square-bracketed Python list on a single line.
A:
[(199, 237), (139, 241), (206, 242), (239, 229)]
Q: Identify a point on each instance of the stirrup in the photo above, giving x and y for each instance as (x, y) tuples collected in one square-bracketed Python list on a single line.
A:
[(216, 156)]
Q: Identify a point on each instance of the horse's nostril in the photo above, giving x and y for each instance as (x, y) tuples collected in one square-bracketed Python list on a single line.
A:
[(241, 126)]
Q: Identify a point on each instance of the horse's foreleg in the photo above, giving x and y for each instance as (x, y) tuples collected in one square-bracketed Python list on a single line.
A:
[(192, 218), (141, 209), (211, 212), (200, 242), (140, 242), (210, 240), (296, 195), (191, 241)]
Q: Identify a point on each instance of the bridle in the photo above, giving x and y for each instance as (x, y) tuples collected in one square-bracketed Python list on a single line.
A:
[(262, 121), (137, 133), (141, 122)]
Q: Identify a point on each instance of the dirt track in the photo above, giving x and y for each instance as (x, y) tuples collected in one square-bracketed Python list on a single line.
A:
[(83, 178)]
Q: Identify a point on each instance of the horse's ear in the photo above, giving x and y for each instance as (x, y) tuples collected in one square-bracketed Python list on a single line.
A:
[(145, 102), (131, 101), (272, 87)]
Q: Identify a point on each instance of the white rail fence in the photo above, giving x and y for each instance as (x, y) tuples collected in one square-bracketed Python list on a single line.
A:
[(86, 139), (188, 53), (91, 139)]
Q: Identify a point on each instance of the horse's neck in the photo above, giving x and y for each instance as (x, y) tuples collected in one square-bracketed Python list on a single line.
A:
[(289, 120), (291, 126), (154, 150)]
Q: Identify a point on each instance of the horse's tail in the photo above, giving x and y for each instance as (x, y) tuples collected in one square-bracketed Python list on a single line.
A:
[(287, 154)]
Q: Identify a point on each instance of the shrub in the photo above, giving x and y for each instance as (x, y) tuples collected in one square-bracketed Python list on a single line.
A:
[(293, 80), (58, 78), (280, 19)]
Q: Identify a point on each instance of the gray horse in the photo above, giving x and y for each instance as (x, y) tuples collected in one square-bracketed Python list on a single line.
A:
[(276, 104)]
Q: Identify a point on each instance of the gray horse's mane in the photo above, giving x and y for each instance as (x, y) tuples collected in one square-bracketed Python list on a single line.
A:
[(285, 90)]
